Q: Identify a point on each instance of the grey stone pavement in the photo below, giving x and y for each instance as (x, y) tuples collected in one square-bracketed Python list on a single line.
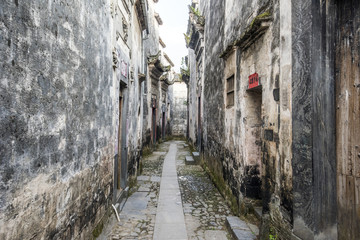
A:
[(170, 222), (171, 200)]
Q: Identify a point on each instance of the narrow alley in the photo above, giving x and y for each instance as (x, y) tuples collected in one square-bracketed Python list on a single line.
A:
[(179, 119), (178, 202)]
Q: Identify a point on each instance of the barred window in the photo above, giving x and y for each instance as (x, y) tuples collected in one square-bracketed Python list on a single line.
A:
[(230, 93)]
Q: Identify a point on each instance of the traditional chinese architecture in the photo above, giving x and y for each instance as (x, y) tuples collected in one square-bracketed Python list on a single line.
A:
[(272, 95), (160, 80)]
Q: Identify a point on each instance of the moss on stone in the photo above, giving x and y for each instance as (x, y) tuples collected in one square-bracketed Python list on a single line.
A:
[(227, 51), (140, 167), (251, 28), (187, 39), (259, 17), (223, 189), (132, 186), (98, 229), (146, 151)]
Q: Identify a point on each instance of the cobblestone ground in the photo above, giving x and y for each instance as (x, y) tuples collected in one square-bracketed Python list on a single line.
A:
[(204, 208)]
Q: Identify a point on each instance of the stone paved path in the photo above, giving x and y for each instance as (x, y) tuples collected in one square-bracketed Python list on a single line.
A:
[(138, 215), (186, 205), (204, 208), (170, 222)]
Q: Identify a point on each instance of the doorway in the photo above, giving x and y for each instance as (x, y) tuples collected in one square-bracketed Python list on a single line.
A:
[(118, 165), (199, 124), (253, 168), (163, 126), (153, 105)]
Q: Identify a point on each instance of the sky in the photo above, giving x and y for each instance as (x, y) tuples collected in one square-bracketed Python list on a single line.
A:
[(174, 14)]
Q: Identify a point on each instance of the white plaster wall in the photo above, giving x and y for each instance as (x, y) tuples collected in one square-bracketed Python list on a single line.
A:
[(193, 100), (180, 108)]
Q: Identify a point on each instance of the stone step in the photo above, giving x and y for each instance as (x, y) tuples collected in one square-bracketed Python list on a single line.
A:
[(196, 156), (122, 199), (189, 160), (159, 153), (239, 229), (143, 178), (258, 212)]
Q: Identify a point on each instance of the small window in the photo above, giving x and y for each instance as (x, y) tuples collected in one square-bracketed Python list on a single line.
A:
[(230, 93)]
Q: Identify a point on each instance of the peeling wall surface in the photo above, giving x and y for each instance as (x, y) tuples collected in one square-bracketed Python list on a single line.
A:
[(57, 122)]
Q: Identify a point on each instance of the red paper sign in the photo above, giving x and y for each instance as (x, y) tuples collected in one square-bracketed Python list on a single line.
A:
[(253, 80), (124, 69)]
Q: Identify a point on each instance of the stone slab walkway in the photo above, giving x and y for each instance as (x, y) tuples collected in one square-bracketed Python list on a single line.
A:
[(137, 218), (171, 200), (170, 221)]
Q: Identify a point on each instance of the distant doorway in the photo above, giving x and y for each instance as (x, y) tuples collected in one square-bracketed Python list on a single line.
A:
[(119, 146), (117, 163), (163, 126), (153, 104), (199, 124)]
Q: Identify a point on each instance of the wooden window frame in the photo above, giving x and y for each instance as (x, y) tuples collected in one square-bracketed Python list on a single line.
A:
[(230, 91)]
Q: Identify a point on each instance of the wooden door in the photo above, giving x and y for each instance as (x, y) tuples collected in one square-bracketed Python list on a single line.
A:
[(119, 146), (348, 118)]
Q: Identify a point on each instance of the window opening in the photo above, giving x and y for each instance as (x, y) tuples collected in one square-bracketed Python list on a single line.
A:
[(230, 93)]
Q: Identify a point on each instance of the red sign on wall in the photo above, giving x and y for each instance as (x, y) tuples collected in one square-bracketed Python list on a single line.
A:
[(254, 80), (123, 69)]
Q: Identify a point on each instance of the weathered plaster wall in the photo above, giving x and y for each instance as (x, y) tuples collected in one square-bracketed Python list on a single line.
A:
[(120, 17), (166, 95), (246, 11), (155, 86), (285, 108), (258, 114), (57, 121), (230, 70), (213, 122), (193, 99), (179, 107), (151, 48), (134, 120), (265, 153)]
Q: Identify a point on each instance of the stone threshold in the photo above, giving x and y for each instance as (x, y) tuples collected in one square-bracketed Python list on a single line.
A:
[(121, 200), (240, 229)]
